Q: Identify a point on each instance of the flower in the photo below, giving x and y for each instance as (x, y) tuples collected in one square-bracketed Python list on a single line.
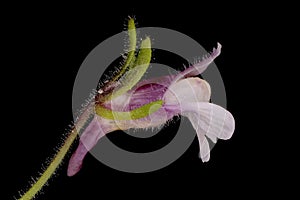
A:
[(152, 103), (125, 102)]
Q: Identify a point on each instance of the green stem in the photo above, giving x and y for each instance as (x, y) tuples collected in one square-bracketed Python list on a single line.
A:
[(57, 160)]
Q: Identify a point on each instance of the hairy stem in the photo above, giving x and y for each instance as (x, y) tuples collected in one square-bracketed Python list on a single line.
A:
[(42, 180), (58, 158)]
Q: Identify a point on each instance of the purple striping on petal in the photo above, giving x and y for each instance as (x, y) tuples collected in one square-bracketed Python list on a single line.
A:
[(143, 93), (146, 94), (163, 80)]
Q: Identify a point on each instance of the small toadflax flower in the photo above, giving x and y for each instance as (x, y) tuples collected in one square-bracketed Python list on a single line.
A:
[(126, 102), (153, 102)]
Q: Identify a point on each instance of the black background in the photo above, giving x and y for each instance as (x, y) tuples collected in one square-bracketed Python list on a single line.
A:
[(45, 48)]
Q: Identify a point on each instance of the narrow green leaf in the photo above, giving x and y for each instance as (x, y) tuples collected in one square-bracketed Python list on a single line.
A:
[(137, 113), (131, 50), (133, 76)]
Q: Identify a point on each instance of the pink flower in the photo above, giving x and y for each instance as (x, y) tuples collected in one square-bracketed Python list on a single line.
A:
[(184, 94)]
